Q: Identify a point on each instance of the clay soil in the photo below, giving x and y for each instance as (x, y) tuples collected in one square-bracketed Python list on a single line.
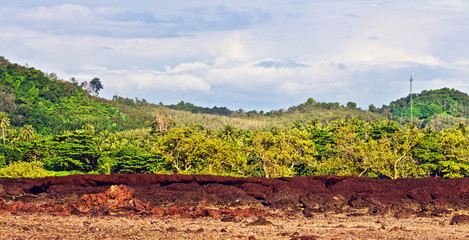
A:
[(144, 206)]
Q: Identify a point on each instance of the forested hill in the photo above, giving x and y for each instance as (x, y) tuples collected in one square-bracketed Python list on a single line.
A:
[(431, 108), (51, 106), (430, 103)]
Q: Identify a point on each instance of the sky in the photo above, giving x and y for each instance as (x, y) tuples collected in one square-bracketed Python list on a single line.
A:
[(251, 55)]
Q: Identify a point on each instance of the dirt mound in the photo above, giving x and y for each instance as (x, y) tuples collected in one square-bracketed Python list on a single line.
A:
[(198, 195)]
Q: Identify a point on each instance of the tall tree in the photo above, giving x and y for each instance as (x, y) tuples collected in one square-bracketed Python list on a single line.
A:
[(4, 123), (96, 85)]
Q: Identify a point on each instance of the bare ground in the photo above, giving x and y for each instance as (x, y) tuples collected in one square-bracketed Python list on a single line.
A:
[(325, 226)]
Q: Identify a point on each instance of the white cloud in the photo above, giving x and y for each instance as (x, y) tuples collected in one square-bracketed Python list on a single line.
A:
[(170, 82), (453, 5), (184, 67), (123, 80), (244, 54)]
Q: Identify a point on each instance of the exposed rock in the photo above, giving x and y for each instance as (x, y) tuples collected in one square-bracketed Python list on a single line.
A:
[(3, 205), (260, 221), (118, 198), (21, 207), (198, 195), (304, 238), (440, 212), (403, 213), (229, 218), (459, 220)]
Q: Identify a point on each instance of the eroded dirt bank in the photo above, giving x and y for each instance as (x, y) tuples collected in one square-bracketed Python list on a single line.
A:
[(158, 194), (146, 206)]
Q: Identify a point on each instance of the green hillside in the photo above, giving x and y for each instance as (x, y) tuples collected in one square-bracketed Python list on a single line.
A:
[(51, 106), (437, 109)]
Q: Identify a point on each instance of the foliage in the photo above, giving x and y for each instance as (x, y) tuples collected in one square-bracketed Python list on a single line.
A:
[(430, 104), (69, 130), (71, 151), (277, 153), (52, 106), (4, 124), (131, 159), (8, 155), (96, 85), (189, 107), (194, 149), (454, 143), (25, 169)]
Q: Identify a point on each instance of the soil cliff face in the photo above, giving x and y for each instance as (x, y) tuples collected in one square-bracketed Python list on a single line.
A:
[(163, 194)]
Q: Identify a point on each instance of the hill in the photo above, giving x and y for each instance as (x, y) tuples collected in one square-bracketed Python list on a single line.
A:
[(252, 120), (436, 109), (31, 97), (51, 105)]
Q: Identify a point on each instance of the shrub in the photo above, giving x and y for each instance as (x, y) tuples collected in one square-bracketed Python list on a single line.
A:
[(24, 169)]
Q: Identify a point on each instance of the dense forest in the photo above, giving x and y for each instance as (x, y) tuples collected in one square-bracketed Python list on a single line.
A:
[(55, 127)]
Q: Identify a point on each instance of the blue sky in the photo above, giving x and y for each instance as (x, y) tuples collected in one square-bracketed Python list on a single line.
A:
[(254, 55)]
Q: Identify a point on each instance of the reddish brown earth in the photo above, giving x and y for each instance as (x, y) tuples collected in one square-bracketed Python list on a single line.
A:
[(231, 201)]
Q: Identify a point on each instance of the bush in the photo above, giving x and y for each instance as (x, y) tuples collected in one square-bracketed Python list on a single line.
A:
[(8, 155), (24, 169)]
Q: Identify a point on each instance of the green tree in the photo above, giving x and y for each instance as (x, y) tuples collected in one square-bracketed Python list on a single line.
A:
[(349, 152), (8, 155), (277, 153), (352, 105), (132, 159), (76, 151), (27, 133), (429, 153), (194, 149), (357, 153), (454, 143), (392, 156), (96, 85), (179, 149)]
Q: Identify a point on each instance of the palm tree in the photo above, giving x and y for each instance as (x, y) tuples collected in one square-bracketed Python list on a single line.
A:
[(27, 132), (4, 124)]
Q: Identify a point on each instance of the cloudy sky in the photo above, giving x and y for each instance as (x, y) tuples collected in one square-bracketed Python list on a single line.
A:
[(254, 55)]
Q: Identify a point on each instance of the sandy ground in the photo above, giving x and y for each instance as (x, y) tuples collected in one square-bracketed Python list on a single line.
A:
[(321, 226)]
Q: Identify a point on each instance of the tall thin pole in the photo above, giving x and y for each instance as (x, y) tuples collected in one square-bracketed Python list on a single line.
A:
[(411, 102)]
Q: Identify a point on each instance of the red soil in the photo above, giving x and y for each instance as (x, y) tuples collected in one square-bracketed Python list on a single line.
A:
[(203, 195)]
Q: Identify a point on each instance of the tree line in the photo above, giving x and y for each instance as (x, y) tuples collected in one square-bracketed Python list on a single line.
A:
[(354, 147)]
